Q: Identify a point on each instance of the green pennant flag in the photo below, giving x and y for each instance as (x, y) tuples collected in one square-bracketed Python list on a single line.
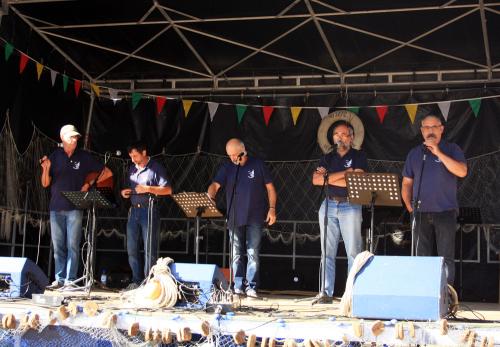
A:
[(65, 83), (240, 111), (475, 104), (353, 109), (8, 50), (136, 97)]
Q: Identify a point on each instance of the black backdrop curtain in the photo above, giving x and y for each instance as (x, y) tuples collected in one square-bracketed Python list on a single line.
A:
[(115, 125)]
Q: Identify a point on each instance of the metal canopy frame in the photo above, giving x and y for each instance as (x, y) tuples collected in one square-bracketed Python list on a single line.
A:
[(333, 77)]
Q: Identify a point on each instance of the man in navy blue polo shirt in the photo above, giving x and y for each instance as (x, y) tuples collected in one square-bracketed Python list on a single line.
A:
[(66, 169), (344, 218), (146, 178), (252, 204), (435, 214)]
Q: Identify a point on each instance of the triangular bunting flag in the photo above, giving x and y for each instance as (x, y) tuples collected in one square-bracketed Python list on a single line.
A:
[(77, 85), (65, 83), (53, 75), (295, 113), (475, 104), (8, 51), (412, 111), (96, 89), (160, 103), (444, 106), (212, 108), (381, 111), (39, 69), (323, 111), (186, 104), (136, 97), (267, 111), (23, 60), (113, 95), (240, 111), (353, 109)]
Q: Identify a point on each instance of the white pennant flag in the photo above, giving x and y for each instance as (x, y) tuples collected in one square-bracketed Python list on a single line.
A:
[(444, 106), (113, 95), (212, 108), (53, 75), (323, 111)]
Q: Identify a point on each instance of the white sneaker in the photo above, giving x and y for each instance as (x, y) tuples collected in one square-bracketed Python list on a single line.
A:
[(54, 285), (252, 293), (239, 291)]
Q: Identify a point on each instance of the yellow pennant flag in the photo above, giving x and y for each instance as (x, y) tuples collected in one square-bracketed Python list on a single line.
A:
[(96, 89), (412, 111), (186, 104), (295, 113), (39, 69)]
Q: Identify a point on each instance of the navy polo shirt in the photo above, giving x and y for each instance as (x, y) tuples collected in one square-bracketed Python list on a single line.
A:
[(251, 202), (333, 162), (153, 174), (68, 174), (439, 186)]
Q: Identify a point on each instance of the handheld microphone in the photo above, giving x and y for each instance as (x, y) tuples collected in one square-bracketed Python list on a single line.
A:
[(241, 154)]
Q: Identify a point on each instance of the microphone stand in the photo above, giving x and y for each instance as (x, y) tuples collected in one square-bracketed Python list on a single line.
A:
[(231, 238), (322, 292), (416, 204)]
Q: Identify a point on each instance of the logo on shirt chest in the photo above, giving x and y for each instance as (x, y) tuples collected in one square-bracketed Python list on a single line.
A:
[(251, 174), (74, 164), (348, 163)]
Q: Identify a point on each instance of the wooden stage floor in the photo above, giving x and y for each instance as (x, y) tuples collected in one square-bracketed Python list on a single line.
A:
[(282, 315)]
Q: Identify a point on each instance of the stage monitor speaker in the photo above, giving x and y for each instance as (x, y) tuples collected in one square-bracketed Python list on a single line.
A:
[(199, 279), (412, 288), (20, 277)]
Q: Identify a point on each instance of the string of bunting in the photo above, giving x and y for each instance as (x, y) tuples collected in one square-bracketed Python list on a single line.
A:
[(267, 111)]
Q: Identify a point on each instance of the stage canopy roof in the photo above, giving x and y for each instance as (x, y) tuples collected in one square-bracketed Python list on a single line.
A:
[(228, 47)]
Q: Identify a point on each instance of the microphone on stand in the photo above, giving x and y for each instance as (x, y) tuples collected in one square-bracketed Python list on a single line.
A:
[(116, 153)]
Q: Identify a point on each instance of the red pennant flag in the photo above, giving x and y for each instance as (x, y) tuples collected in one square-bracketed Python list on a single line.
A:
[(267, 110), (160, 103), (381, 111), (23, 60), (78, 85)]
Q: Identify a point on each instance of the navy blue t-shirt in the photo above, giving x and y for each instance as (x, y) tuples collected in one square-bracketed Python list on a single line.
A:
[(251, 202), (153, 174), (439, 186), (68, 174), (333, 162)]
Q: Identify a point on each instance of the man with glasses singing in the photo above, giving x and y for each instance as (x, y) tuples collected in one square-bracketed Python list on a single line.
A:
[(431, 170)]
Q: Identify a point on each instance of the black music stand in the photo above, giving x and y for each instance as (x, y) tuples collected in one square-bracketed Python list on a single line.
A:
[(373, 189), (197, 205), (90, 200), (466, 215)]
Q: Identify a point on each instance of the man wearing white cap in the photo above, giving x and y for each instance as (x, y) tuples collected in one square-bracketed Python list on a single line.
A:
[(66, 169)]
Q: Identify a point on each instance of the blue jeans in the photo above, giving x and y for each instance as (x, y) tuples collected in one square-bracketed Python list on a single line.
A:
[(343, 219), (66, 231), (246, 239), (442, 227), (137, 226)]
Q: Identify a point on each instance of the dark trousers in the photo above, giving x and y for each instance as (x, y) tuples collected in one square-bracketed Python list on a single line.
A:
[(441, 227)]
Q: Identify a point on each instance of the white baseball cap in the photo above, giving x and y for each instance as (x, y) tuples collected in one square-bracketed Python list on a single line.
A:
[(69, 130)]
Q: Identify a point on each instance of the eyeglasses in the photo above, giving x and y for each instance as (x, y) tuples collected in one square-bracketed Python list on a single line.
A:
[(431, 127)]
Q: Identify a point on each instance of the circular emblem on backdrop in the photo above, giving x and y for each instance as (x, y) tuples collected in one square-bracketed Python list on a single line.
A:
[(325, 129)]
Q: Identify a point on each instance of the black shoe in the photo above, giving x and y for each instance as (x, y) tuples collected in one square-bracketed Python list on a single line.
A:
[(54, 285)]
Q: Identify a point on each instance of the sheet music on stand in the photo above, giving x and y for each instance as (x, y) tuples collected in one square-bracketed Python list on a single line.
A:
[(195, 204), (373, 189), (362, 185), (83, 200)]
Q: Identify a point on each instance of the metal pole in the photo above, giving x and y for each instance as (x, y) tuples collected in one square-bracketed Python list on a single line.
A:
[(25, 218), (89, 120)]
